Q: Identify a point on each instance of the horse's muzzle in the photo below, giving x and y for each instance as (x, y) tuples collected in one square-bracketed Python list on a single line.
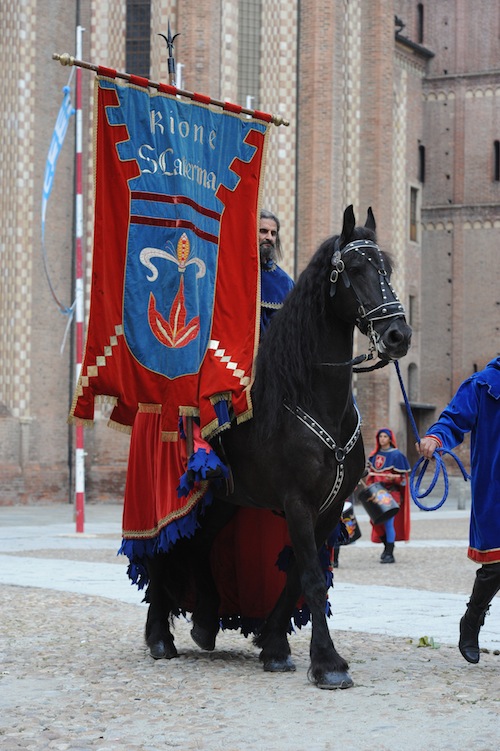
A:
[(395, 340)]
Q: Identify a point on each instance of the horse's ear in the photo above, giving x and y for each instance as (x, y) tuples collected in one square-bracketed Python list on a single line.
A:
[(370, 220), (348, 225)]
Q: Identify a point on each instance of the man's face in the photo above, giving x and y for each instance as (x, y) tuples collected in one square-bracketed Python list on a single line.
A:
[(268, 231)]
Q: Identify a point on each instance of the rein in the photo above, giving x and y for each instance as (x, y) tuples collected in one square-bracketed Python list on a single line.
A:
[(356, 361), (440, 465)]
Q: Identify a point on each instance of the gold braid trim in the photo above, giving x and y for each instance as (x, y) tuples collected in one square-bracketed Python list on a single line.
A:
[(178, 514)]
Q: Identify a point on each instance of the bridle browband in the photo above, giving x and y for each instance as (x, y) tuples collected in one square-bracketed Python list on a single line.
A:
[(391, 306)]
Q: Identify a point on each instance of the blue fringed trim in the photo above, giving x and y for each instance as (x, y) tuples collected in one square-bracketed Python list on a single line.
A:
[(202, 464), (140, 550)]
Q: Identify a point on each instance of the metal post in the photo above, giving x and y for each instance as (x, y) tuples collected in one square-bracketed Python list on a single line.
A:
[(79, 297)]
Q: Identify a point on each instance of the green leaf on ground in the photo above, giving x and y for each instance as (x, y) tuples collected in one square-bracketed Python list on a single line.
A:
[(428, 641)]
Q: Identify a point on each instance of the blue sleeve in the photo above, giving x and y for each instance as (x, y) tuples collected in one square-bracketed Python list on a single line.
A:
[(459, 417)]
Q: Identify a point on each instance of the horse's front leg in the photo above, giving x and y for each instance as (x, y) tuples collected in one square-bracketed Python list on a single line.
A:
[(272, 637), (328, 669), (206, 611), (157, 632)]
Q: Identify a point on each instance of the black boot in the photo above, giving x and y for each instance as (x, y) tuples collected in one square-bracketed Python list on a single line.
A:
[(486, 586), (387, 556)]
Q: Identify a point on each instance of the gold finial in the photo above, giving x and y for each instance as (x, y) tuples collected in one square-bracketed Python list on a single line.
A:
[(278, 120), (64, 59)]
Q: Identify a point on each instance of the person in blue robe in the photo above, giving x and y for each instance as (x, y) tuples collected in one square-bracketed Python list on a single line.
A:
[(275, 284), (475, 409)]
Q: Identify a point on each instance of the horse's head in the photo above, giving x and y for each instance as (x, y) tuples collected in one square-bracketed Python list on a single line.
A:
[(363, 273)]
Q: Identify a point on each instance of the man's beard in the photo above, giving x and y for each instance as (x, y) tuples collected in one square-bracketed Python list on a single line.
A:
[(267, 252)]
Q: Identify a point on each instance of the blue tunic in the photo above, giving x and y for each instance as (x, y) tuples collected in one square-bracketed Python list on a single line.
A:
[(475, 408), (275, 284)]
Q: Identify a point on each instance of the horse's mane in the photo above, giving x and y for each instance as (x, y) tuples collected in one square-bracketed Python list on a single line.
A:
[(292, 341)]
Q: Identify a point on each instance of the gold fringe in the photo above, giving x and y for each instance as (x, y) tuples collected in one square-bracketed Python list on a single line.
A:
[(223, 396), (189, 411), (245, 416), (119, 427), (213, 428), (169, 435), (102, 399), (151, 408), (72, 420), (75, 399)]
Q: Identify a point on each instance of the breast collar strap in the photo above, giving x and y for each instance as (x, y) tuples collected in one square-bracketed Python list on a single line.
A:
[(340, 453)]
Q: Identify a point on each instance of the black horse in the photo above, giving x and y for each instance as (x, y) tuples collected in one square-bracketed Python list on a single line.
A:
[(302, 453)]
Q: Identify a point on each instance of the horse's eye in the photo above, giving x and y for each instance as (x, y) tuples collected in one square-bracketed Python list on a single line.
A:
[(355, 269)]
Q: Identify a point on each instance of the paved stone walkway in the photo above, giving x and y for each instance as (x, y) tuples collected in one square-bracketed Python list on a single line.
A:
[(75, 674)]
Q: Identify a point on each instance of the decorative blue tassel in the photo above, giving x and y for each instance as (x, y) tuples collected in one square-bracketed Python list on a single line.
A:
[(202, 465)]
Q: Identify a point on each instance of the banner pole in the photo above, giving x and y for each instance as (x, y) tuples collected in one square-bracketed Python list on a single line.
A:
[(79, 296), (66, 59)]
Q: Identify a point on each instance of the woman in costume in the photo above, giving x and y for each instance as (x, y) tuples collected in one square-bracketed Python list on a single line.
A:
[(390, 467)]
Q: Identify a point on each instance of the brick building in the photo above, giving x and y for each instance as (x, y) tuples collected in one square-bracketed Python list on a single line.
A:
[(393, 104)]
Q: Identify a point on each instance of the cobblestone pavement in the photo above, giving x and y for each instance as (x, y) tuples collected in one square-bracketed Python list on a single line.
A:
[(75, 674)]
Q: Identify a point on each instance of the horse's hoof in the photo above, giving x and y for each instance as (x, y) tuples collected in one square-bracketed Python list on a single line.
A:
[(279, 666), (334, 680), (162, 651), (204, 638)]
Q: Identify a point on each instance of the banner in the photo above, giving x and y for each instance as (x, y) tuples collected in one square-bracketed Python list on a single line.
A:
[(174, 308), (65, 111)]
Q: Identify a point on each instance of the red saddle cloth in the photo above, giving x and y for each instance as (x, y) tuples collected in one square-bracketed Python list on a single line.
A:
[(245, 554)]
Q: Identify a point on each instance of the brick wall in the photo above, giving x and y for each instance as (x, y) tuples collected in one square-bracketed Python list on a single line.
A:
[(359, 106)]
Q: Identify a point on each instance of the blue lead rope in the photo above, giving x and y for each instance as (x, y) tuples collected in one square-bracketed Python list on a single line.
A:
[(423, 463)]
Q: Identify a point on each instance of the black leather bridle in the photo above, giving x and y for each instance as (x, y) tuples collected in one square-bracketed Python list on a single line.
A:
[(391, 307)]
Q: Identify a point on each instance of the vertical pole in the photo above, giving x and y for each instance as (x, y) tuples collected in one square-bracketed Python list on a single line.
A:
[(79, 298)]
